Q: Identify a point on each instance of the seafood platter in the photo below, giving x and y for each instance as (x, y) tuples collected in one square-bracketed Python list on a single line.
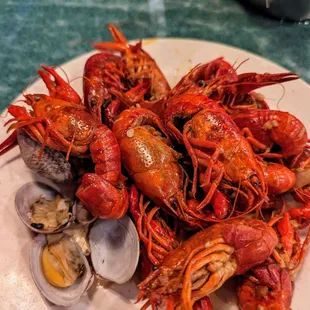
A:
[(176, 193)]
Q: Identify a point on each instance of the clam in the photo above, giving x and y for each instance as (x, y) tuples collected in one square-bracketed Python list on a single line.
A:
[(52, 165), (59, 269), (42, 208), (114, 249)]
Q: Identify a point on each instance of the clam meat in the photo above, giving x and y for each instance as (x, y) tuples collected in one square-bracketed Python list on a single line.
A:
[(50, 214), (60, 269), (42, 208), (62, 262)]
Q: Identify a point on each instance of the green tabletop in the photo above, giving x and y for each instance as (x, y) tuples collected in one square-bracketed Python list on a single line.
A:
[(54, 31)]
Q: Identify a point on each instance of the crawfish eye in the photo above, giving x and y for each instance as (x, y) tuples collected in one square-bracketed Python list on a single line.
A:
[(36, 98), (201, 83), (93, 102), (255, 180)]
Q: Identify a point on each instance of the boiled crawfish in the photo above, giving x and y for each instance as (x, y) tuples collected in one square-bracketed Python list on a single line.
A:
[(269, 286), (216, 146), (67, 127), (103, 73), (153, 164), (219, 81), (268, 128), (206, 260), (141, 72)]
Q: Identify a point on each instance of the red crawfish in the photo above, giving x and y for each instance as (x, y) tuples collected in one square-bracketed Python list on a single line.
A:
[(67, 127), (290, 252), (206, 260), (212, 139), (103, 73), (153, 164), (268, 128), (216, 146), (269, 286), (140, 71), (219, 81)]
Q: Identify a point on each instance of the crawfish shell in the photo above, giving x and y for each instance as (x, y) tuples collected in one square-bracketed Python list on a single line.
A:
[(52, 165), (27, 195), (114, 249), (58, 296)]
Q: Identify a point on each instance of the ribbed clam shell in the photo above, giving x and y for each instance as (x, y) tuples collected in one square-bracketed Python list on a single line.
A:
[(114, 249), (58, 296), (27, 195), (52, 165)]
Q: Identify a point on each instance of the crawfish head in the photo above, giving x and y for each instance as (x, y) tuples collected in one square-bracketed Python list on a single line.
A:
[(206, 260), (180, 108), (213, 131)]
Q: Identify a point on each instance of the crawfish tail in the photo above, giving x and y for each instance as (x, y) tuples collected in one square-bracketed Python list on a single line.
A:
[(101, 198), (101, 72), (105, 154), (271, 126)]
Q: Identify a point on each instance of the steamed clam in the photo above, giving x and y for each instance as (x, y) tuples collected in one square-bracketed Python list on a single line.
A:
[(42, 208), (60, 269), (62, 262), (67, 235), (114, 249)]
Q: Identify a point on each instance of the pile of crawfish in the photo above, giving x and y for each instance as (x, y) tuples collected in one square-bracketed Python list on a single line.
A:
[(202, 169)]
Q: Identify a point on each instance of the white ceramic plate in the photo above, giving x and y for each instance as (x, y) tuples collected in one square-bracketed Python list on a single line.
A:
[(175, 57)]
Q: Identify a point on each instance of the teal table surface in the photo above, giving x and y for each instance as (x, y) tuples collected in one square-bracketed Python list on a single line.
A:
[(54, 31)]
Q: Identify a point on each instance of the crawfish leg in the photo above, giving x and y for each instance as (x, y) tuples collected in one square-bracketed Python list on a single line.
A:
[(111, 112), (175, 132), (37, 129), (210, 164), (302, 255), (216, 260), (154, 250), (189, 142), (249, 136)]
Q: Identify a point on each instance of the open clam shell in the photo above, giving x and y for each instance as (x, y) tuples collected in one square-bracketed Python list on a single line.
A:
[(27, 195), (58, 296), (114, 249)]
